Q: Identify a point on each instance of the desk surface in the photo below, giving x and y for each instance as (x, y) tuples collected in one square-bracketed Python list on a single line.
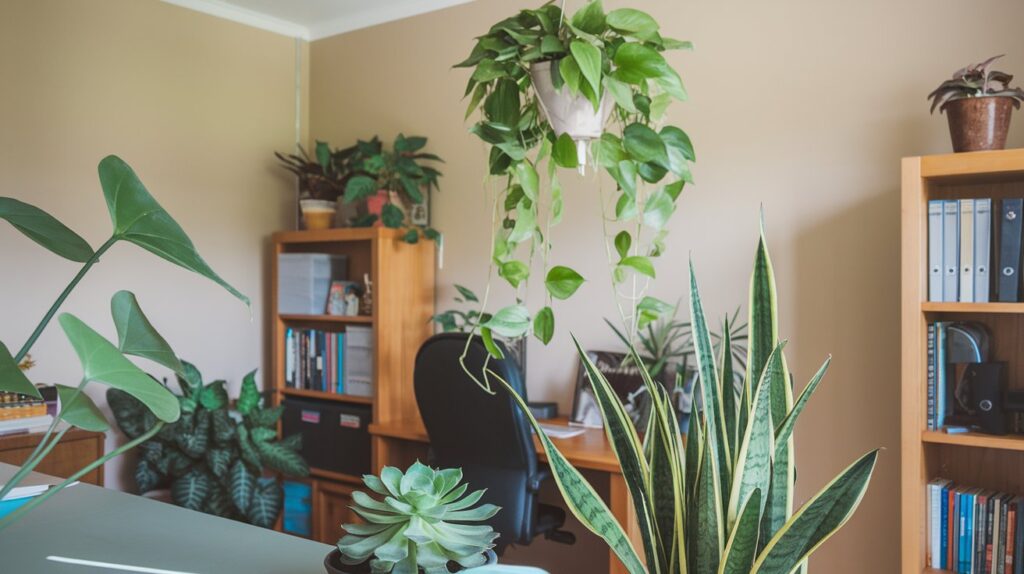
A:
[(589, 450), (90, 523)]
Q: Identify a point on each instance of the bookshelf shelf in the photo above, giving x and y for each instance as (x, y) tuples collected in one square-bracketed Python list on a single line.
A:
[(1008, 442), (328, 396), (970, 459), (931, 307), (337, 476), (344, 320)]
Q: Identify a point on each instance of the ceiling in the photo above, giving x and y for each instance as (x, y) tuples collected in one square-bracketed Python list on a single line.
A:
[(314, 19)]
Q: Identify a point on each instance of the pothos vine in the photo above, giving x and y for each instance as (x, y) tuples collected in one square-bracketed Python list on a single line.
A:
[(612, 64)]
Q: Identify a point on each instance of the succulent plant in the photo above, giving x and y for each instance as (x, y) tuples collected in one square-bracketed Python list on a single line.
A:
[(419, 524), (973, 82)]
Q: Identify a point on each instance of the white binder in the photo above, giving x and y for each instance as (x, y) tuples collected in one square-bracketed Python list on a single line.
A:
[(966, 250), (982, 249), (935, 250), (950, 248)]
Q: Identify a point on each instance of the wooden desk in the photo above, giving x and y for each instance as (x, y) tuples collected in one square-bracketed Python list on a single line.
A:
[(75, 450), (588, 451)]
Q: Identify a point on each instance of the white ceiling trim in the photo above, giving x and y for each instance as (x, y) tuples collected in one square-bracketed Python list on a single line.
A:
[(380, 13), (244, 16)]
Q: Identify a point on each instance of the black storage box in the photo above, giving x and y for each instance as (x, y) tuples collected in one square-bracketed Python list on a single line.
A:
[(335, 436)]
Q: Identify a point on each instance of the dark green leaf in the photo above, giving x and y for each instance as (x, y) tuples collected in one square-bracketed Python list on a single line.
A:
[(219, 461), (590, 18), (623, 242), (138, 218), (392, 216), (502, 105), (249, 395), (621, 93), (266, 503), (544, 325), (551, 45), (243, 483), (635, 63), (562, 282), (44, 229), (634, 23), (12, 379), (644, 144), (358, 188), (488, 339), (78, 410), (564, 152), (570, 72), (136, 335), (191, 380), (409, 144), (133, 418), (214, 396), (467, 294), (190, 490), (677, 138), (146, 476), (323, 155), (412, 189), (588, 58), (282, 458)]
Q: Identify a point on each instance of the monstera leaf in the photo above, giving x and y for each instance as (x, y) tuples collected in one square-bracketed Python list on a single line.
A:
[(139, 219)]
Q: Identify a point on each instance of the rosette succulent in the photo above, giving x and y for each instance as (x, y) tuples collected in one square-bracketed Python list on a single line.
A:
[(423, 521)]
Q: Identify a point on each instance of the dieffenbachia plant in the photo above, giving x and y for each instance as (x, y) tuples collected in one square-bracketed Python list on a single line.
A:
[(137, 218), (724, 502), (609, 59)]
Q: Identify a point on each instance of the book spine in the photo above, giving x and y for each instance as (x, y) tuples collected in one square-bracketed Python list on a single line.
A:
[(932, 413), (944, 528)]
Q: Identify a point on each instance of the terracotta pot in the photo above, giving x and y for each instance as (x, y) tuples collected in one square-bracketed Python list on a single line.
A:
[(317, 213), (568, 114), (978, 124), (333, 565), (375, 204)]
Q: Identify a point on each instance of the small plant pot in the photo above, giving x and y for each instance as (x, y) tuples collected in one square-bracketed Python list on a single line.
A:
[(569, 114), (375, 204), (979, 124), (317, 213), (333, 565)]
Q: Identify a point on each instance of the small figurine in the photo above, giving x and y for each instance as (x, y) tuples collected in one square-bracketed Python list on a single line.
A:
[(367, 307), (351, 300)]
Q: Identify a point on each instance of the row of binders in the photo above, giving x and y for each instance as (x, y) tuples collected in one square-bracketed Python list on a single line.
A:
[(974, 530), (331, 362), (966, 237)]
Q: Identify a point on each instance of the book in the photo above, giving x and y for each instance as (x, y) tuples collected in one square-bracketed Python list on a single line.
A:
[(935, 493), (931, 383)]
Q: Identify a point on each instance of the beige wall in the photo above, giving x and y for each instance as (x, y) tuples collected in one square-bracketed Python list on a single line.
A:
[(803, 107), (196, 105)]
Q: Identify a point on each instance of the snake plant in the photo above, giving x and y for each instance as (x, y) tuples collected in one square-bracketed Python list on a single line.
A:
[(724, 502), (419, 523)]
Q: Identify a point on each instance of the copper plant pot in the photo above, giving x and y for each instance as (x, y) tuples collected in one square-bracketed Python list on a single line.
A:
[(978, 124)]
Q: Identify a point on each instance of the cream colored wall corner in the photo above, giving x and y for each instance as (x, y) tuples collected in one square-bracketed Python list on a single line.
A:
[(804, 107)]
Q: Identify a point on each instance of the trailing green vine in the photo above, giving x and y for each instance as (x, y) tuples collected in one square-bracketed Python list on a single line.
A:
[(613, 61)]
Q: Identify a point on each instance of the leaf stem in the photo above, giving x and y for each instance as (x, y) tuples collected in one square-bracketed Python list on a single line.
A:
[(60, 300), (12, 517)]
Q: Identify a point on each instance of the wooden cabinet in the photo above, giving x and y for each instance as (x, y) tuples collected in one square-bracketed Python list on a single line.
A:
[(332, 502), (76, 449)]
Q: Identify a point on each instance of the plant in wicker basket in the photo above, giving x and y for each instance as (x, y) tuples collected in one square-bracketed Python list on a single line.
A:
[(210, 460), (420, 524)]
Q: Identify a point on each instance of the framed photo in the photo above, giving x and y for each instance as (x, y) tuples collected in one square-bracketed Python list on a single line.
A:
[(419, 213)]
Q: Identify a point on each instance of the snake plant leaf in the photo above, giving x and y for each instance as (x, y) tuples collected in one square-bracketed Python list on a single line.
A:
[(628, 450), (818, 519), (579, 495), (693, 453), (706, 518), (667, 484), (136, 336), (742, 545), (728, 379), (710, 387), (103, 363), (784, 430), (763, 324), (45, 229), (754, 460), (139, 219), (12, 379), (78, 410), (781, 493)]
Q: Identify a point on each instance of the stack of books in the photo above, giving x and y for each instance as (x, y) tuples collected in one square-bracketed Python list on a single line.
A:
[(22, 413), (331, 362), (966, 237), (974, 530)]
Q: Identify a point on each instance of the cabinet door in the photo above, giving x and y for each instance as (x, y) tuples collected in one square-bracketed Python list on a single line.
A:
[(332, 510)]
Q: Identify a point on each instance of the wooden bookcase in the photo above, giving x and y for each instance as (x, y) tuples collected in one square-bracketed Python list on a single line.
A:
[(973, 459), (402, 275)]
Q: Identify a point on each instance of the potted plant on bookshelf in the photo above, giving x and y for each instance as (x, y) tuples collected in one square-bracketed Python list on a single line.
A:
[(547, 85), (320, 183), (136, 218), (394, 185), (423, 524), (724, 500), (214, 461), (977, 102)]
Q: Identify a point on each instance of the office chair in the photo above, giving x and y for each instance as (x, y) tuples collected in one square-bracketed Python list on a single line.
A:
[(485, 435)]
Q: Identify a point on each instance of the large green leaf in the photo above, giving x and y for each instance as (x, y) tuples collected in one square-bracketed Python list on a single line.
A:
[(636, 62), (589, 60), (138, 218), (590, 18), (44, 229), (631, 22), (249, 395), (12, 379), (282, 458), (511, 321), (146, 476), (784, 429), (763, 324), (132, 417), (136, 335), (728, 381), (562, 282), (78, 410), (265, 504), (706, 521), (781, 494), (103, 363), (190, 490), (644, 144), (742, 544), (817, 520), (243, 483)]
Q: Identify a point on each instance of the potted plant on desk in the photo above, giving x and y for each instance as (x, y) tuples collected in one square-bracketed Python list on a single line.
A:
[(419, 526), (977, 102)]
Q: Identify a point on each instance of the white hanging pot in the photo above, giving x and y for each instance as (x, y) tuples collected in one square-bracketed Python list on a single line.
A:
[(569, 114)]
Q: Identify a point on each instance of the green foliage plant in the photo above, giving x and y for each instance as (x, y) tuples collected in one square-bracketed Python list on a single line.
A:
[(617, 57), (212, 461), (136, 218), (457, 320), (724, 502), (401, 170), (319, 177), (423, 521), (976, 81)]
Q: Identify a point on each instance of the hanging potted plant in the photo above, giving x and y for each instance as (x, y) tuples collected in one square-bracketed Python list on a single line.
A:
[(559, 91), (977, 102), (426, 525), (320, 183), (392, 188)]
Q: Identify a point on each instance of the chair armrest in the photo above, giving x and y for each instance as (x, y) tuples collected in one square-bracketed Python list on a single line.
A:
[(538, 479)]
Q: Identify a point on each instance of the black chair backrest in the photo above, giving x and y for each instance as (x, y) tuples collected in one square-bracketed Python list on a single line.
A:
[(486, 435)]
